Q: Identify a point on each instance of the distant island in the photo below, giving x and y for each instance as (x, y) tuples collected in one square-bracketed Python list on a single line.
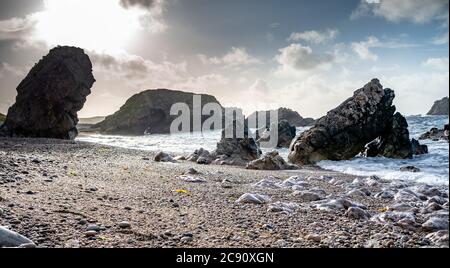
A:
[(440, 107)]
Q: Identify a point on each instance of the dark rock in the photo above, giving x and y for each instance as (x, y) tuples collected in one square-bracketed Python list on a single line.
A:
[(289, 115), (410, 169), (201, 156), (394, 143), (436, 134), (270, 161), (239, 149), (440, 107), (417, 148), (149, 113), (345, 130), (51, 95), (286, 133), (163, 157)]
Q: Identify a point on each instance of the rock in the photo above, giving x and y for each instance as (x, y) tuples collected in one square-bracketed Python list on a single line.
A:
[(345, 130), (410, 169), (270, 161), (283, 207), (436, 223), (186, 239), (9, 238), (286, 133), (385, 194), (253, 199), (439, 238), (394, 142), (90, 234), (148, 112), (292, 117), (337, 204), (357, 213), (436, 134), (270, 183), (308, 196), (417, 148), (236, 149), (201, 156), (404, 219), (124, 225), (191, 179), (50, 96), (440, 107), (164, 157), (2, 118), (93, 227), (192, 171)]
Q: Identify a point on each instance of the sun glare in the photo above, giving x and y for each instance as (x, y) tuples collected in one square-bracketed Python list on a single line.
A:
[(100, 25)]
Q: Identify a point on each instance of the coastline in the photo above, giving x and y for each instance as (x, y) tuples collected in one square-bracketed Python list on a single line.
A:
[(51, 191)]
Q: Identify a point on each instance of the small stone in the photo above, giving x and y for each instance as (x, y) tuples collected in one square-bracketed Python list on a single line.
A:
[(410, 169), (253, 199), (125, 225), (36, 161), (357, 213), (186, 239), (314, 237), (93, 227), (82, 222), (30, 192), (90, 233)]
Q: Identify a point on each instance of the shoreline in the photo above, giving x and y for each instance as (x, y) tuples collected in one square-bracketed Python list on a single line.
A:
[(53, 191)]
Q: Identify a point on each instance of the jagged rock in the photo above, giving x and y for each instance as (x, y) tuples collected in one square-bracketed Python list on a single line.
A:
[(289, 115), (148, 112), (270, 161), (9, 238), (50, 96), (417, 148), (286, 133), (201, 156), (238, 149), (357, 213), (283, 207), (439, 238), (345, 130), (440, 107), (436, 134), (394, 143)]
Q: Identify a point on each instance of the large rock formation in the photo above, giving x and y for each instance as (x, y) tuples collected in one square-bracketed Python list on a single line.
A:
[(289, 115), (149, 112), (236, 150), (345, 130), (286, 133), (440, 107), (2, 118), (51, 95)]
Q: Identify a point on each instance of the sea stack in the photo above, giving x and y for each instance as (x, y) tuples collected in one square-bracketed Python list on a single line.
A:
[(345, 131), (440, 107), (50, 96), (148, 112)]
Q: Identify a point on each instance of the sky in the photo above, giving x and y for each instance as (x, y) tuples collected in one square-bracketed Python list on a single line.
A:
[(306, 55)]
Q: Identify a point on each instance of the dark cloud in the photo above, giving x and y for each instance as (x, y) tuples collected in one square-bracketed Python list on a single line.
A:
[(138, 3)]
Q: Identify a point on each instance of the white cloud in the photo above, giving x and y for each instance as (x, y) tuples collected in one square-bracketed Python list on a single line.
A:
[(441, 39), (440, 64), (299, 58), (416, 11), (235, 59), (315, 37), (363, 48)]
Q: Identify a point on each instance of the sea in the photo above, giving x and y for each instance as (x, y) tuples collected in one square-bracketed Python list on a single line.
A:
[(434, 166)]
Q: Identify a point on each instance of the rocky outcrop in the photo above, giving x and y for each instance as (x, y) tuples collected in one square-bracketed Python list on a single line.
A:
[(440, 107), (270, 161), (51, 95), (2, 118), (236, 149), (286, 133), (289, 115), (395, 142), (436, 134), (345, 130), (201, 156), (149, 113)]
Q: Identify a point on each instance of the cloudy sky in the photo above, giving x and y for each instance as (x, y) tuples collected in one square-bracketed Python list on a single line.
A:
[(307, 55)]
